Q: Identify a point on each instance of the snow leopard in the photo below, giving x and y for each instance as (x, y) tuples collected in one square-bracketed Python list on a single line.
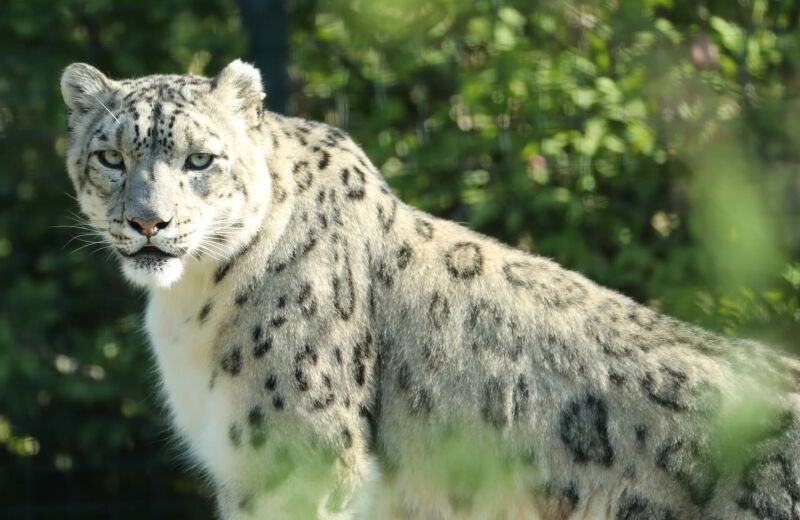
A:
[(328, 351)]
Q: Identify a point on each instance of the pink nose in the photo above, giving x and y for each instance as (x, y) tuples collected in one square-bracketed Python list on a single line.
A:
[(147, 227)]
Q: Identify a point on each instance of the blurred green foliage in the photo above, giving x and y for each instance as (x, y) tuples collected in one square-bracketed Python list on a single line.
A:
[(651, 145)]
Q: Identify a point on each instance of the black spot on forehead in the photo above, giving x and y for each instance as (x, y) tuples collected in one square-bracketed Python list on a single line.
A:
[(161, 99), (166, 88), (155, 120)]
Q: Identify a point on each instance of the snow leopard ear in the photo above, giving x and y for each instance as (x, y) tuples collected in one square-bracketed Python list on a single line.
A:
[(82, 85), (239, 86)]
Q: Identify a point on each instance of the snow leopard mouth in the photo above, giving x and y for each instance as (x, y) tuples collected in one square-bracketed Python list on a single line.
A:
[(151, 266), (150, 252)]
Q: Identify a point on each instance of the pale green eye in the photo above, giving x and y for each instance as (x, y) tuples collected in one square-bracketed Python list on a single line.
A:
[(111, 159), (199, 161)]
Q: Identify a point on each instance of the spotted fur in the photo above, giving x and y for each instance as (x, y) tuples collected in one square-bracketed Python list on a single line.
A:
[(324, 346)]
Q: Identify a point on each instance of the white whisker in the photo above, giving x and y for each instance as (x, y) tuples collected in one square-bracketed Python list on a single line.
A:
[(88, 244), (214, 252), (81, 238), (107, 110)]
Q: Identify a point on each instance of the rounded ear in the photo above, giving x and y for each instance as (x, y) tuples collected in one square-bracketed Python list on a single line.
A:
[(239, 86), (81, 85)]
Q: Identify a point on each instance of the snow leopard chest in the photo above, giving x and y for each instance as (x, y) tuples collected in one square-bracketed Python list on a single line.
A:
[(181, 323)]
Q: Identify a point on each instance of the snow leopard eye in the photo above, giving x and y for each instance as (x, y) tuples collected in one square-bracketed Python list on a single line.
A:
[(111, 159), (199, 161)]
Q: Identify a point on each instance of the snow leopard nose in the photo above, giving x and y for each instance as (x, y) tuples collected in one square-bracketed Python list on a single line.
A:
[(148, 227)]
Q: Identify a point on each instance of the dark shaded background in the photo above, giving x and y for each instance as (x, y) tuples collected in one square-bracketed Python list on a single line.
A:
[(651, 145)]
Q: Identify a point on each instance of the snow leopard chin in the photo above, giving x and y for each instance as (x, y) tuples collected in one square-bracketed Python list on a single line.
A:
[(161, 273)]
